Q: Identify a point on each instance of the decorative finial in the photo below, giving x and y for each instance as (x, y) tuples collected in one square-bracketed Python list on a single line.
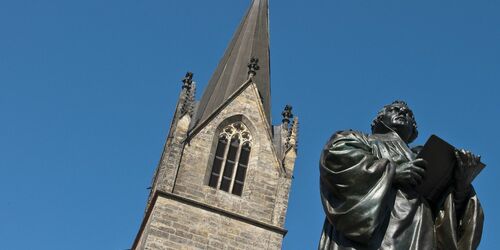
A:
[(291, 132), (253, 66), (287, 114), (187, 97), (188, 80), (293, 140)]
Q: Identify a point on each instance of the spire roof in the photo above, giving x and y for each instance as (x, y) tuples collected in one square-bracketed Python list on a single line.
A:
[(250, 40)]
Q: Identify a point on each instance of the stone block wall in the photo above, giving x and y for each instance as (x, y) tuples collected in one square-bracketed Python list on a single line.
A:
[(176, 225)]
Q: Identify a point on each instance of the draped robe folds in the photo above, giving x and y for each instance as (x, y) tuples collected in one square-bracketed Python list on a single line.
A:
[(365, 210)]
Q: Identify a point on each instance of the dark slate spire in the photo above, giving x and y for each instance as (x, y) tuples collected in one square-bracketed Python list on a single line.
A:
[(251, 40)]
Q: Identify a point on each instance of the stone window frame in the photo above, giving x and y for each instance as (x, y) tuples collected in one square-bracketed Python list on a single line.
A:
[(230, 130)]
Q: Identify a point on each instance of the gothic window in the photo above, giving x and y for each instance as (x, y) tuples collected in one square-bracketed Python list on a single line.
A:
[(231, 159)]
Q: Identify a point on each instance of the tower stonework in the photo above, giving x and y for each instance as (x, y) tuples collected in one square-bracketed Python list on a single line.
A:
[(225, 173)]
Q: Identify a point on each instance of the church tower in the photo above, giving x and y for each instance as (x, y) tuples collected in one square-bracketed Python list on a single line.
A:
[(224, 176)]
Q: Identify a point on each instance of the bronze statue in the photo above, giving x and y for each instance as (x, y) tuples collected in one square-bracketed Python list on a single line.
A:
[(368, 182)]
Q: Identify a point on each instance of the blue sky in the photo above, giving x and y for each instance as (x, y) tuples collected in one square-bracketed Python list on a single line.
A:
[(87, 91)]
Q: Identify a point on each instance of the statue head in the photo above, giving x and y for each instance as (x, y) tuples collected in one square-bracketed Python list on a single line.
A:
[(397, 117)]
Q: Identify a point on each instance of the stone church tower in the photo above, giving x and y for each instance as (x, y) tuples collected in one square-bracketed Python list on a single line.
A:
[(225, 173)]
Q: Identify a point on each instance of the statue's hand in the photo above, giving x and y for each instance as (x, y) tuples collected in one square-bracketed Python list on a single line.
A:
[(463, 176), (410, 174), (464, 172)]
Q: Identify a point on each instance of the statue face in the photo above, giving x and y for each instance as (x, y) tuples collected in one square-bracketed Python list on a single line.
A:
[(399, 118)]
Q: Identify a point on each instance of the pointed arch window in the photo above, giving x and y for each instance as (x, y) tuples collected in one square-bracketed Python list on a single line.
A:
[(231, 159)]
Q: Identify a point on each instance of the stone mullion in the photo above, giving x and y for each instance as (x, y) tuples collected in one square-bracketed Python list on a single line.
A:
[(236, 162)]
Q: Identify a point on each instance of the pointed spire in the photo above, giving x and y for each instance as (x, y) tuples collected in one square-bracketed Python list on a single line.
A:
[(250, 42)]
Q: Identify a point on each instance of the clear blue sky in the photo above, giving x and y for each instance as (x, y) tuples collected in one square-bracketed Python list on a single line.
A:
[(87, 91)]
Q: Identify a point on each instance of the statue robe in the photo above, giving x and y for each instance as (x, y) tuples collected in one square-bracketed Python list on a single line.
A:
[(364, 210)]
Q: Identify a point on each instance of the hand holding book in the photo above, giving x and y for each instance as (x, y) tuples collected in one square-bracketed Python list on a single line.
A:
[(468, 167), (447, 166)]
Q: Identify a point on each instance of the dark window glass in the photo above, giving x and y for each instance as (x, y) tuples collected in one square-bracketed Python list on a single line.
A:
[(233, 149), (240, 173), (231, 157), (219, 157), (217, 165), (225, 183), (245, 153), (221, 147), (242, 164), (229, 167), (213, 180), (242, 169), (237, 188)]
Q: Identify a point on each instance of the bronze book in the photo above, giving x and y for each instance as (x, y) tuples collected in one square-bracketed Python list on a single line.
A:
[(441, 161)]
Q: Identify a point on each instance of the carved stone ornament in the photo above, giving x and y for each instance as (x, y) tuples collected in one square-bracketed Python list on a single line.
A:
[(237, 130)]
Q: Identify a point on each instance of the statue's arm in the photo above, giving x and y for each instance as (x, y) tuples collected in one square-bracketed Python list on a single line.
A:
[(356, 186)]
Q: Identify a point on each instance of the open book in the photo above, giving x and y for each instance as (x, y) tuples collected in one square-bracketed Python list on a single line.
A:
[(441, 161)]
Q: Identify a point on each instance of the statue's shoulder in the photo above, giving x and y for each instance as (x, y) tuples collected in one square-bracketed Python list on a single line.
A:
[(351, 135), (348, 139)]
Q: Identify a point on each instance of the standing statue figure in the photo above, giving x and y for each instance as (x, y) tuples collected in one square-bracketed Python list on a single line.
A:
[(368, 192)]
